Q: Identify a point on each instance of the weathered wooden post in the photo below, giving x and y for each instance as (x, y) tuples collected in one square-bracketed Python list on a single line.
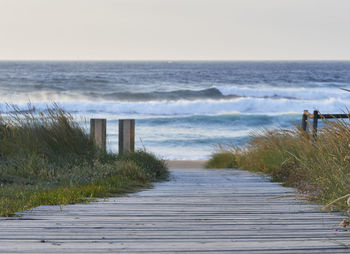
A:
[(304, 120), (126, 135), (314, 124), (98, 132)]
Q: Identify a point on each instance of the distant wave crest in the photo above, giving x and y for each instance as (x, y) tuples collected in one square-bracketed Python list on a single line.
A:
[(214, 93), (210, 93), (198, 107)]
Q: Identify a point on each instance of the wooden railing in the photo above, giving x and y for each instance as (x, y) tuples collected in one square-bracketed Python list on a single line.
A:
[(315, 116)]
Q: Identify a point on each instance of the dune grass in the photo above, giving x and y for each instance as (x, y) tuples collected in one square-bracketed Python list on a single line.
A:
[(46, 158), (320, 169)]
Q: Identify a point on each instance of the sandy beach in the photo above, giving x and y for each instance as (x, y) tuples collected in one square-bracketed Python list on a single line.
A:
[(186, 163)]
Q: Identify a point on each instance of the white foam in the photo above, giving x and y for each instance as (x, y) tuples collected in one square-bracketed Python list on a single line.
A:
[(200, 107), (301, 93)]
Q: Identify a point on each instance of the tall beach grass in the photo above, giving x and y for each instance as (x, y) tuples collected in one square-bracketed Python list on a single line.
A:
[(319, 169), (47, 158)]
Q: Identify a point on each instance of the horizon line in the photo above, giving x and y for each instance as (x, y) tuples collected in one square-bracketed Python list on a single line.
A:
[(177, 60)]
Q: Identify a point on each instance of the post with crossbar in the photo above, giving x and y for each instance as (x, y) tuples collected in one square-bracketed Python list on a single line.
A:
[(314, 124), (98, 132), (126, 135), (304, 120)]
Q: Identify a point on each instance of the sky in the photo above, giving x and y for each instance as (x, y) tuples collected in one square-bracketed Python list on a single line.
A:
[(174, 29)]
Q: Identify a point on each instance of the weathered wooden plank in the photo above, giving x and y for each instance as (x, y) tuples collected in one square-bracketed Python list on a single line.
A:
[(332, 116), (199, 211), (175, 246)]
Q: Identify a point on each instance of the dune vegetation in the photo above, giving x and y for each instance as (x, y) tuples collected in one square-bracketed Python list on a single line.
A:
[(319, 169), (46, 158)]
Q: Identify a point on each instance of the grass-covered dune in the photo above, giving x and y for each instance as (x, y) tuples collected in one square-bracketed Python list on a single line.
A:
[(46, 158), (320, 169)]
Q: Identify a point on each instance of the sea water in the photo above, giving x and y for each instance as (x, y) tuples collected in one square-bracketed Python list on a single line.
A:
[(183, 110)]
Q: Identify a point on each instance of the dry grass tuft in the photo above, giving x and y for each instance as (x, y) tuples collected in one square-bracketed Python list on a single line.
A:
[(320, 170)]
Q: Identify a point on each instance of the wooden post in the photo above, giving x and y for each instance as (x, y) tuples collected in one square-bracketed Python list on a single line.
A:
[(126, 135), (304, 120), (314, 125), (98, 132)]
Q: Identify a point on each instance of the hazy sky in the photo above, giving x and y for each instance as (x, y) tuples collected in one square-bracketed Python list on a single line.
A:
[(175, 29)]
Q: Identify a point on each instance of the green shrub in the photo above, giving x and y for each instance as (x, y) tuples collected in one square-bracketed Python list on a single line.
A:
[(46, 158), (223, 159), (154, 168)]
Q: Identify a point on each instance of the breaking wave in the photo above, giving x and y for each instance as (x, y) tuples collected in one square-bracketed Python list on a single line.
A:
[(198, 107)]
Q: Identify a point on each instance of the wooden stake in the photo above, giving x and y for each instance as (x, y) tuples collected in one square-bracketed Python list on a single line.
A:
[(304, 120), (314, 124), (126, 135), (98, 132)]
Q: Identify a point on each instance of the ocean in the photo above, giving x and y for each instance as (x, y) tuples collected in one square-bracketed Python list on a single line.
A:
[(183, 110)]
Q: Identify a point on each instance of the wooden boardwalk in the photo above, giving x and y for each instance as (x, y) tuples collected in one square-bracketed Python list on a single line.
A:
[(197, 211)]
